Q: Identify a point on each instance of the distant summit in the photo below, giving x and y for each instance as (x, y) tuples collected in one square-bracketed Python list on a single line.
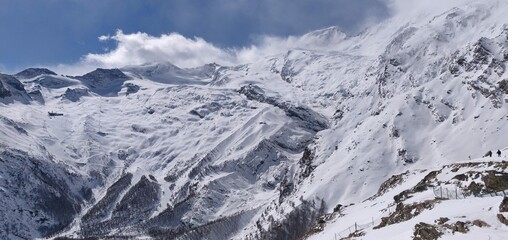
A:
[(34, 72), (330, 33), (105, 82), (101, 73)]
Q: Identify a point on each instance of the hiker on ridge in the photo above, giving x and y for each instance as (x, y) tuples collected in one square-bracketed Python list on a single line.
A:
[(499, 153), (488, 154)]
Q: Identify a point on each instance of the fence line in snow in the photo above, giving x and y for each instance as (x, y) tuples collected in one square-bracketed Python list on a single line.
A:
[(448, 193), (356, 228), (494, 194), (439, 192), (457, 193)]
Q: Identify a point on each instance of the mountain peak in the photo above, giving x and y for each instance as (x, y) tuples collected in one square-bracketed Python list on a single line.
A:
[(327, 34), (34, 72), (102, 73)]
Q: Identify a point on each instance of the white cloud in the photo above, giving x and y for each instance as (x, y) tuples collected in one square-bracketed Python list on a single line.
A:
[(138, 48), (417, 9), (270, 45), (104, 38)]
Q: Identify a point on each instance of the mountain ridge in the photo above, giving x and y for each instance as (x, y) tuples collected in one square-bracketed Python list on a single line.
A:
[(270, 149)]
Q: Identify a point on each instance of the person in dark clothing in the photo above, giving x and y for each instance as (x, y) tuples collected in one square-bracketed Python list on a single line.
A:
[(488, 154), (499, 153)]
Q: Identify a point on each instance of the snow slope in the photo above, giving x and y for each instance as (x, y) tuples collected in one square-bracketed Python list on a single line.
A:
[(264, 150)]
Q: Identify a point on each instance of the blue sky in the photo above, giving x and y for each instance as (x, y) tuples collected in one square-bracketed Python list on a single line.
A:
[(52, 32)]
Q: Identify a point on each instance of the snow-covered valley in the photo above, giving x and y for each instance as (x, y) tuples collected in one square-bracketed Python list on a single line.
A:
[(342, 137)]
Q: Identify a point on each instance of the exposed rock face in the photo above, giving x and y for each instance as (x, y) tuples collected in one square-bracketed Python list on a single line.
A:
[(460, 227), (503, 207), (502, 219), (496, 181), (425, 231), (43, 197), (406, 212), (135, 206), (105, 206), (3, 91), (131, 88), (75, 94), (294, 225), (480, 223), (11, 89), (105, 82), (304, 115)]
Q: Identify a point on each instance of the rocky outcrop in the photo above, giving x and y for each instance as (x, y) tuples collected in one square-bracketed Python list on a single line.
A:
[(425, 231), (37, 196), (105, 82), (304, 115), (75, 94), (503, 207), (405, 212), (136, 206), (11, 89)]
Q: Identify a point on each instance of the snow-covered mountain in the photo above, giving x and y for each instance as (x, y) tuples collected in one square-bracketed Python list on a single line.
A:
[(343, 136)]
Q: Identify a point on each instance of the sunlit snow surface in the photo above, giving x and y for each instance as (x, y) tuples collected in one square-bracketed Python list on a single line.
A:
[(225, 141)]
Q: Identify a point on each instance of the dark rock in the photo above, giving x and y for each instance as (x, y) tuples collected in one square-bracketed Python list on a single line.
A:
[(106, 204), (460, 227), (480, 223), (338, 115), (12, 89), (496, 181), (475, 188), (425, 231), (306, 162), (442, 220), (503, 85), (36, 95), (285, 189), (504, 205), (131, 88), (461, 177), (401, 196), (405, 212), (105, 73), (75, 94), (4, 92), (502, 219), (391, 183)]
